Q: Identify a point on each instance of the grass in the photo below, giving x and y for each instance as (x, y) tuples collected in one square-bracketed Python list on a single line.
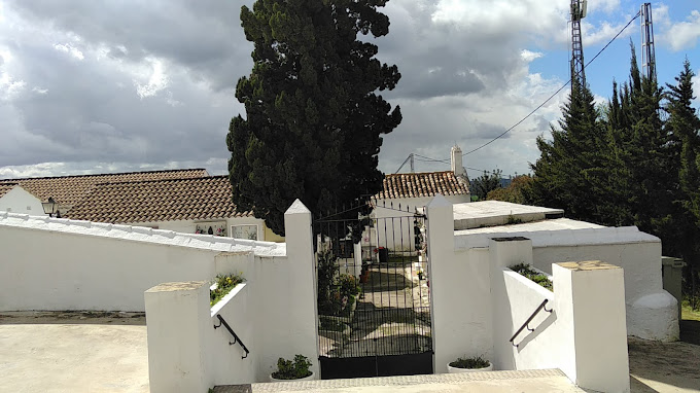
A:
[(224, 285), (688, 313), (527, 272)]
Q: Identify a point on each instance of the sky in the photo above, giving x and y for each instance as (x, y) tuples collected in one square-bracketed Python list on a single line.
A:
[(127, 85)]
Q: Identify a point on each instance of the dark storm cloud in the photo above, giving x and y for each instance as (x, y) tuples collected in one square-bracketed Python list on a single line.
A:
[(204, 36), (90, 110)]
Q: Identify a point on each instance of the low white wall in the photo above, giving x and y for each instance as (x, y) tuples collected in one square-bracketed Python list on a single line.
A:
[(651, 311), (513, 307), (226, 362), (641, 263), (273, 314), (57, 264)]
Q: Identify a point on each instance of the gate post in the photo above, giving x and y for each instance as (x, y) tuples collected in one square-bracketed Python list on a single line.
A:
[(440, 239), (303, 333)]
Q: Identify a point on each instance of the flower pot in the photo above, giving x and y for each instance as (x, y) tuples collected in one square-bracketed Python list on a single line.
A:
[(309, 378), (453, 370)]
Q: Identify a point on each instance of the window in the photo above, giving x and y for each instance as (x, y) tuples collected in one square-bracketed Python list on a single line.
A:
[(246, 232)]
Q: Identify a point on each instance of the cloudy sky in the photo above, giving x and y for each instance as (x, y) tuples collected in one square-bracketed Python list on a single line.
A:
[(92, 86)]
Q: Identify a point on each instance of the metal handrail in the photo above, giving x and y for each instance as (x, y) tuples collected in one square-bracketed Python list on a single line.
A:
[(236, 339), (537, 310)]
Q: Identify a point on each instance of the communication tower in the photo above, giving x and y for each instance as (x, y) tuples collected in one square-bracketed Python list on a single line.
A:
[(648, 49), (578, 12)]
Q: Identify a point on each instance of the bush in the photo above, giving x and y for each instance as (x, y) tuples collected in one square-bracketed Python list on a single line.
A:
[(287, 369), (477, 362), (539, 278), (224, 285), (348, 285)]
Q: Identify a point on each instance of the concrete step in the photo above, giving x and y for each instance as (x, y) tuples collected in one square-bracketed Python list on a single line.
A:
[(523, 381)]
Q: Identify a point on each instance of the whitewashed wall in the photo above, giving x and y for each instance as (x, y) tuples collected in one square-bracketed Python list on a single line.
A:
[(651, 311), (514, 305), (57, 264), (477, 305), (273, 314), (18, 200)]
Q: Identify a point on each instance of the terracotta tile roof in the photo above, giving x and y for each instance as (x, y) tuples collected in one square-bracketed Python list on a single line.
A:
[(69, 190), (159, 200), (420, 185), (5, 188)]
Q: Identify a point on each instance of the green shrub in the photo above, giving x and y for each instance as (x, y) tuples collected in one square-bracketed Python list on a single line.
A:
[(224, 285), (475, 362), (539, 278), (287, 369), (348, 285)]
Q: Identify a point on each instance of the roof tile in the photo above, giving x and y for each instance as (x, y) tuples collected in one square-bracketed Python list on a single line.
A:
[(422, 185), (158, 200)]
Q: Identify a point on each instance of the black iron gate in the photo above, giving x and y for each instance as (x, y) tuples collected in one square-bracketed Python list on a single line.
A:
[(373, 295)]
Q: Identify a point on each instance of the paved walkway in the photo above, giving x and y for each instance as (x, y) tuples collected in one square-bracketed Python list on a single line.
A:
[(72, 354), (540, 381)]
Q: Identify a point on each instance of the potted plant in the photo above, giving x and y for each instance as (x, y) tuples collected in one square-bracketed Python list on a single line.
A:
[(296, 370), (467, 365)]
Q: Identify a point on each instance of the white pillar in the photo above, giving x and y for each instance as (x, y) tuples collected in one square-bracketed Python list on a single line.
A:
[(459, 292), (590, 305), (178, 316), (302, 327)]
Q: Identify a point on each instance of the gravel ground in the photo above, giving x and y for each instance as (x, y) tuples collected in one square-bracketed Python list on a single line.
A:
[(664, 367)]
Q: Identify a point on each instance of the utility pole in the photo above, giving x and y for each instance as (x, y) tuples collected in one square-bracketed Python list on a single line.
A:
[(648, 48), (578, 12)]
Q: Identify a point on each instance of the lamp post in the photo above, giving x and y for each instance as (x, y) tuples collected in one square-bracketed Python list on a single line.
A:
[(51, 207)]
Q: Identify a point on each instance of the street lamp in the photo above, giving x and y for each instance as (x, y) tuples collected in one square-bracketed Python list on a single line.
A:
[(51, 207)]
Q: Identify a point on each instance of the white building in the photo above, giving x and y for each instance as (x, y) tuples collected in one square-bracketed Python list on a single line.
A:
[(405, 193), (15, 199)]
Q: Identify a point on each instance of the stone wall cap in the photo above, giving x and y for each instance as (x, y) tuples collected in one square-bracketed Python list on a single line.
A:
[(588, 265), (178, 286)]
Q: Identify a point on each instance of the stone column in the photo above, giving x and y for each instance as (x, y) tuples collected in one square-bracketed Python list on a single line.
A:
[(178, 317), (590, 306)]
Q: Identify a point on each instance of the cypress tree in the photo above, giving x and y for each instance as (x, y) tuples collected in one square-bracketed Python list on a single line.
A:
[(566, 171), (314, 119), (683, 122)]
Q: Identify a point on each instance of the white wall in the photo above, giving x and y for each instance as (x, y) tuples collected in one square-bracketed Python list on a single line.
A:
[(57, 264), (651, 311), (649, 307), (273, 314), (641, 263), (18, 200)]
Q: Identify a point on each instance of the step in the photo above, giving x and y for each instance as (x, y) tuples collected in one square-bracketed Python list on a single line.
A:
[(521, 381)]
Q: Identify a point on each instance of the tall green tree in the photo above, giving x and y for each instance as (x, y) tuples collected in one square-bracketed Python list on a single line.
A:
[(683, 122), (568, 168), (314, 119)]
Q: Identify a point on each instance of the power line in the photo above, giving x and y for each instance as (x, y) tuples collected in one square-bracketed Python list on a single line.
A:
[(558, 91)]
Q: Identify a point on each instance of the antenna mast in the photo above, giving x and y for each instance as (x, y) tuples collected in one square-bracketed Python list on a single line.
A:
[(648, 49), (578, 12)]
